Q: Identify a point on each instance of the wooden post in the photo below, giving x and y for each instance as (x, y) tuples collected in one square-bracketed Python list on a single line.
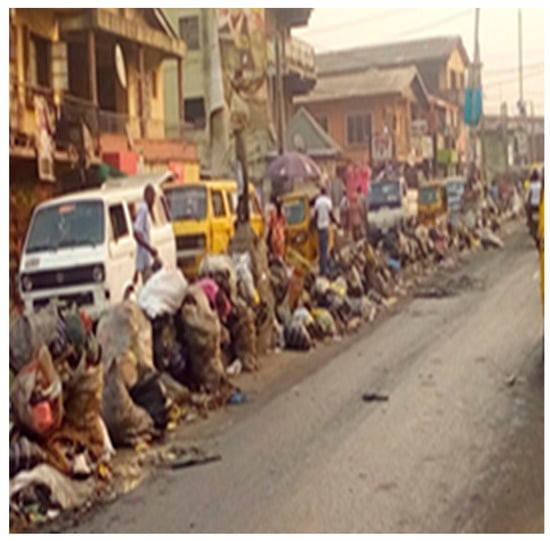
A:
[(181, 110), (141, 93), (92, 68)]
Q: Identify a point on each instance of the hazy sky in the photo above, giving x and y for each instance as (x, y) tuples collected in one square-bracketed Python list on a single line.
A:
[(340, 28)]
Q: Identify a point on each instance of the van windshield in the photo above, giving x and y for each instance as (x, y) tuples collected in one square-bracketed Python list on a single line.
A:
[(79, 223), (428, 195), (187, 203), (384, 194), (295, 211)]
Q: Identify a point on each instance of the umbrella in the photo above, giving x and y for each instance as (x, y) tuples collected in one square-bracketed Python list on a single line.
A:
[(293, 166)]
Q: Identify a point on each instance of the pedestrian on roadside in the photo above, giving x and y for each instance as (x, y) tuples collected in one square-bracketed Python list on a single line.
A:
[(355, 216), (276, 236), (323, 217), (146, 255)]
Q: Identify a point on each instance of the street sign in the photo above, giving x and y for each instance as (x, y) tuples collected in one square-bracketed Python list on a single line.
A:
[(382, 148)]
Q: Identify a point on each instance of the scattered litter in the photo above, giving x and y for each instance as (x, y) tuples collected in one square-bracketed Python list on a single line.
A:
[(237, 397), (374, 397)]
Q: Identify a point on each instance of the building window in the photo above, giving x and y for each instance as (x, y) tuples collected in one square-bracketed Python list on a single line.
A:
[(194, 112), (453, 80), (40, 61), (462, 85), (358, 129), (323, 122), (154, 84), (189, 32)]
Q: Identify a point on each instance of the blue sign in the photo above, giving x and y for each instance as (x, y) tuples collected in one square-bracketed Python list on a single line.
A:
[(472, 106)]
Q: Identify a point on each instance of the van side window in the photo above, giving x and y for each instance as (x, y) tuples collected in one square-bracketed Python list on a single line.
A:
[(217, 204), (230, 203), (118, 221)]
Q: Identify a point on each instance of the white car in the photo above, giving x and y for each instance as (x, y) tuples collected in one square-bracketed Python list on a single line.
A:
[(80, 248)]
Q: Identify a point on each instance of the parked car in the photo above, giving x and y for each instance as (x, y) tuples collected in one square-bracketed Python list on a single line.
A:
[(80, 248), (203, 216)]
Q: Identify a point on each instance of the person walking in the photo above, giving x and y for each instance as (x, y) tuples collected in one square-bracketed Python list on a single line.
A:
[(323, 216), (146, 255), (277, 229)]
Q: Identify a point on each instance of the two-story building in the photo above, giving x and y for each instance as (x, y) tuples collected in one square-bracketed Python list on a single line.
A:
[(232, 52), (369, 112), (442, 64)]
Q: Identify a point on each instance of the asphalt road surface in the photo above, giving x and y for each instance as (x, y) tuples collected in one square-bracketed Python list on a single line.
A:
[(457, 447)]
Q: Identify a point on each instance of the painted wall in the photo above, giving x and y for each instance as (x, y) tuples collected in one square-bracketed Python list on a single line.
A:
[(380, 108)]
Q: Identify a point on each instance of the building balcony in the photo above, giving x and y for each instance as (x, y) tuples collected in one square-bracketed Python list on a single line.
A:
[(298, 65)]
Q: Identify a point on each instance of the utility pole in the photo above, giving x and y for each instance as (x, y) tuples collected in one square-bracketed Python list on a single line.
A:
[(279, 89), (521, 103), (474, 83)]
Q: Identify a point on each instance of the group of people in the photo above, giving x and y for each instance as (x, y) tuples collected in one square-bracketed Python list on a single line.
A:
[(353, 219)]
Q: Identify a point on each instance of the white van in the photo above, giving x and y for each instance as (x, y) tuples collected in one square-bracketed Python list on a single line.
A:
[(390, 203), (80, 248)]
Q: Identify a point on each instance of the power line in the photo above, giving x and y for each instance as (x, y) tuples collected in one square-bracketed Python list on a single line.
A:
[(433, 24), (513, 69), (514, 79), (387, 13)]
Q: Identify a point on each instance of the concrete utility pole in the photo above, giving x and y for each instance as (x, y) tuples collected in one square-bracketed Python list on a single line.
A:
[(279, 91), (474, 82), (521, 103)]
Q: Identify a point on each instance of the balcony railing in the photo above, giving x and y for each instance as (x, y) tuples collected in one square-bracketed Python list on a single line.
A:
[(299, 56)]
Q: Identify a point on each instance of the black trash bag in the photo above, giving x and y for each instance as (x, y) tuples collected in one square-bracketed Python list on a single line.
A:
[(24, 454), (297, 337), (151, 395), (279, 279), (168, 349)]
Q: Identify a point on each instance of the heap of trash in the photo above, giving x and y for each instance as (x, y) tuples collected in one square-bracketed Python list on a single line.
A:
[(82, 389)]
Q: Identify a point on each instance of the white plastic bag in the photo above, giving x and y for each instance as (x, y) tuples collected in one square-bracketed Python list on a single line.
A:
[(163, 293)]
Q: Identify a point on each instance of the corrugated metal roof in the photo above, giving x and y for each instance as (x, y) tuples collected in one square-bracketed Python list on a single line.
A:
[(390, 54), (372, 82)]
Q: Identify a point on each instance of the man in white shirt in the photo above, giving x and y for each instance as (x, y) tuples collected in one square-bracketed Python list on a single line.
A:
[(144, 251), (323, 217)]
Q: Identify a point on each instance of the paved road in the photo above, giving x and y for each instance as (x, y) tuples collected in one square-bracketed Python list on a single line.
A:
[(457, 448)]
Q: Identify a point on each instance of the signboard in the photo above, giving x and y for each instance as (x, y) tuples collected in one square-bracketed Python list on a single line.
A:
[(419, 127), (382, 148), (427, 147), (44, 143)]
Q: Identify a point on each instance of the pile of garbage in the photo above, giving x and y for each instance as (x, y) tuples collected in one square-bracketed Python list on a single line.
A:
[(82, 389)]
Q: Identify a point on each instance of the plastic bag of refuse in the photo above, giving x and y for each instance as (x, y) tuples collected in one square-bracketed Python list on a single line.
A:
[(163, 293), (127, 423), (24, 454), (62, 491), (279, 279), (302, 315), (29, 333), (202, 337), (37, 397), (220, 268), (151, 395), (297, 337), (242, 329), (325, 320), (245, 280), (126, 331)]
